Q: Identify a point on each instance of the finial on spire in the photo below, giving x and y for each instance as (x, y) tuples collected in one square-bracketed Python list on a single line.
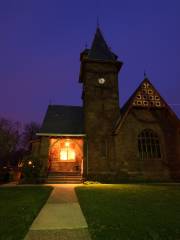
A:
[(97, 21), (145, 75)]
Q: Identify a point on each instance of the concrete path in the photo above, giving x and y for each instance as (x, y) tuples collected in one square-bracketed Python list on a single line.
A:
[(61, 217)]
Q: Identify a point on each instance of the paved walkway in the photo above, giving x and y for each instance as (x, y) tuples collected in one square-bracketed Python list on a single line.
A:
[(61, 217)]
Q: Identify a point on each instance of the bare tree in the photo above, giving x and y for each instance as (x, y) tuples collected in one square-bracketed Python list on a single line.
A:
[(29, 134), (9, 139)]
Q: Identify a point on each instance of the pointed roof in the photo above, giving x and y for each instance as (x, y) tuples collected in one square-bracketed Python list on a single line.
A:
[(60, 119), (145, 96), (99, 48)]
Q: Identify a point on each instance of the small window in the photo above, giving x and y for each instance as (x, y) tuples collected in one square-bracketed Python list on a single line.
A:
[(150, 91), (157, 98), (151, 97), (151, 103), (149, 145), (145, 103), (158, 104)]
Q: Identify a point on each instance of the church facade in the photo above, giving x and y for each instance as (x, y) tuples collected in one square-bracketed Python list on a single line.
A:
[(103, 141)]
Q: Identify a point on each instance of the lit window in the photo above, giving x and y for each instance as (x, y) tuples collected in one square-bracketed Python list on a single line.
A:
[(67, 154), (148, 145), (63, 154)]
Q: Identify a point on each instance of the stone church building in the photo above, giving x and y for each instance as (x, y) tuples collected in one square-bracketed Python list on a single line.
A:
[(103, 141)]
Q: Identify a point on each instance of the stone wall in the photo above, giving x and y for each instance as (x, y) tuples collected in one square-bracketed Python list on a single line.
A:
[(126, 145), (101, 109)]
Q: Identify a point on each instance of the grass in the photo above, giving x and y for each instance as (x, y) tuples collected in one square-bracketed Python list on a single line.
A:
[(18, 208), (131, 212)]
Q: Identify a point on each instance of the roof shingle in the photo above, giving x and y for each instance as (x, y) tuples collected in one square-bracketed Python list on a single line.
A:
[(99, 49), (61, 119)]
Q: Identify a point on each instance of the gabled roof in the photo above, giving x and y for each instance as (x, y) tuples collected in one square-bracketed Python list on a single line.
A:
[(145, 96), (61, 119), (99, 49)]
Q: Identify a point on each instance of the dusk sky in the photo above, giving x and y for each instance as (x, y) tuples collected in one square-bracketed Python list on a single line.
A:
[(41, 41)]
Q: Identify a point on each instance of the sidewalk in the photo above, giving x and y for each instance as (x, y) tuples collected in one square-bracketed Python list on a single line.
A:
[(61, 217)]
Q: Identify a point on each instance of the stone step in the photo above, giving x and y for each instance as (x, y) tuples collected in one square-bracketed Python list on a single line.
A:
[(64, 177), (57, 173), (63, 182)]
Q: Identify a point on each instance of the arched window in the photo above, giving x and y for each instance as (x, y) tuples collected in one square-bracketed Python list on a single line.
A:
[(148, 145)]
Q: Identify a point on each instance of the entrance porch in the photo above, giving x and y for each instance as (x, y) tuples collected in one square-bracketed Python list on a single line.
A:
[(66, 156)]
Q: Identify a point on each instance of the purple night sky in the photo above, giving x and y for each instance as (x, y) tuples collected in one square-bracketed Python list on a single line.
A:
[(41, 41)]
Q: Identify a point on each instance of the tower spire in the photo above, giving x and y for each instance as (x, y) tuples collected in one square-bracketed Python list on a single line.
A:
[(99, 48)]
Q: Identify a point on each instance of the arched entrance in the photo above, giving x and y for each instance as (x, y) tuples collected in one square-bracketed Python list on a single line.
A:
[(66, 155)]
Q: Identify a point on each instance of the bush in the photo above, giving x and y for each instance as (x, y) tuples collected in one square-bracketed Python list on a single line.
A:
[(31, 170)]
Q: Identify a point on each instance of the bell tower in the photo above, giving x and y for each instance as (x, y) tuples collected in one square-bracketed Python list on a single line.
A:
[(100, 96)]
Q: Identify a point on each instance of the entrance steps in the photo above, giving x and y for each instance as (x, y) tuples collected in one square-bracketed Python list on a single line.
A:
[(64, 177)]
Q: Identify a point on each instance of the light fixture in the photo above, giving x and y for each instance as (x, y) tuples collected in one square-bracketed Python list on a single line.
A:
[(101, 80), (67, 144)]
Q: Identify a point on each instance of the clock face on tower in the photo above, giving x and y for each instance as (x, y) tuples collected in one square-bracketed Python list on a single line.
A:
[(101, 80)]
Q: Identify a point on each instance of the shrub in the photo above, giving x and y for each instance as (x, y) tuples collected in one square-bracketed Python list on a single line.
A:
[(31, 170)]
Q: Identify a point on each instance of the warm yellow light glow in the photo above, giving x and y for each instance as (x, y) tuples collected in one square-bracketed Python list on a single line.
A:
[(72, 155), (63, 155), (67, 154), (30, 162), (67, 144)]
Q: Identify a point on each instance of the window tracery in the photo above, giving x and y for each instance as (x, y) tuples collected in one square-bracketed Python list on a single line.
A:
[(149, 145)]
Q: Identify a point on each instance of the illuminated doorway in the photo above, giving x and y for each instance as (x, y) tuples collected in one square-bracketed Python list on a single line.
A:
[(66, 155)]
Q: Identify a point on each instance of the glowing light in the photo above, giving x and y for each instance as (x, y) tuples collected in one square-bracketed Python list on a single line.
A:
[(67, 154), (63, 155), (30, 162), (67, 144), (72, 154), (101, 80)]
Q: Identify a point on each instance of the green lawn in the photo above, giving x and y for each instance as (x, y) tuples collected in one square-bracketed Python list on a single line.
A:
[(131, 211), (18, 208)]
